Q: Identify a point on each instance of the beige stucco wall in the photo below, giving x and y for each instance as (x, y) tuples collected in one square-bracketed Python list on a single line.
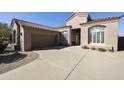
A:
[(27, 39), (68, 29), (84, 35), (17, 35), (22, 43), (110, 38), (76, 21), (111, 35)]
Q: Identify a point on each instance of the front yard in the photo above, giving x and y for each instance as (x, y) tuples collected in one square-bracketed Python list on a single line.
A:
[(12, 60)]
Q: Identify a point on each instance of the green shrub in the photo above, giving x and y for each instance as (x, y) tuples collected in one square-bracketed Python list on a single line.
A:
[(4, 30), (111, 50), (102, 49), (3, 45), (85, 47), (93, 48)]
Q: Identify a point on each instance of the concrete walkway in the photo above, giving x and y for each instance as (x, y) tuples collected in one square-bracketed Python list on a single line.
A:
[(70, 63)]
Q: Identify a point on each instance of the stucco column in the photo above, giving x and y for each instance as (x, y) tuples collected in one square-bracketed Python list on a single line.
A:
[(69, 36), (84, 36)]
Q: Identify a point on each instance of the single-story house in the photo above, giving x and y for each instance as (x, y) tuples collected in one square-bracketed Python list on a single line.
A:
[(79, 29)]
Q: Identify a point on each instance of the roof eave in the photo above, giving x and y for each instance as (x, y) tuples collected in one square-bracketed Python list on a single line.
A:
[(102, 20), (31, 27), (21, 23), (62, 27)]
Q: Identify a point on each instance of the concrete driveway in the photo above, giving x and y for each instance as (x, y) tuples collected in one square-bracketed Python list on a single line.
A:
[(73, 63)]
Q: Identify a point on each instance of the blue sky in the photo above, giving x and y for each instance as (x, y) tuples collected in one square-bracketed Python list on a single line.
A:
[(55, 18)]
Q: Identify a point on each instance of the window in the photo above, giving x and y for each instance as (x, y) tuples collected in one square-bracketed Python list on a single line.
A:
[(102, 37), (97, 34), (65, 34), (64, 37), (94, 37), (98, 37)]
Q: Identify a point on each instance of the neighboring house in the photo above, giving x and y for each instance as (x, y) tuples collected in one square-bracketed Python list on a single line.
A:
[(79, 29)]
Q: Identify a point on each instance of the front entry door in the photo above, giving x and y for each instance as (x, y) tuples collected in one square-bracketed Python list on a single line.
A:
[(77, 38)]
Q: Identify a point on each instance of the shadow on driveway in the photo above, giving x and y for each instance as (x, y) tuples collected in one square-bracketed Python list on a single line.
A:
[(52, 48)]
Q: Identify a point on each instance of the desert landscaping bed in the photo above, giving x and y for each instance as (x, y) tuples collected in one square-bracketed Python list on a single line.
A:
[(119, 53), (12, 60)]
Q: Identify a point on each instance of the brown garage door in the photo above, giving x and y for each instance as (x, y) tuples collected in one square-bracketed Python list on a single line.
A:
[(43, 40)]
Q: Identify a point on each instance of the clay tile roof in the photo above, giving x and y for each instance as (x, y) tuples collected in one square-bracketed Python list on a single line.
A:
[(32, 25), (103, 19)]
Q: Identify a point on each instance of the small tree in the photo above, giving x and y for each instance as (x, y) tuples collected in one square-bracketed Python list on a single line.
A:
[(4, 36), (4, 31)]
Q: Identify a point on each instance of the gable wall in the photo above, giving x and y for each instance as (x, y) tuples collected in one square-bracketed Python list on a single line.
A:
[(110, 36), (76, 21), (67, 40)]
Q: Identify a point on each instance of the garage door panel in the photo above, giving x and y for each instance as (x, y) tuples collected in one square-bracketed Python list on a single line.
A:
[(43, 40)]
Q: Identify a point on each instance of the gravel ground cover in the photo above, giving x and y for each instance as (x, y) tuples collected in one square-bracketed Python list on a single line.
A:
[(119, 53), (12, 60)]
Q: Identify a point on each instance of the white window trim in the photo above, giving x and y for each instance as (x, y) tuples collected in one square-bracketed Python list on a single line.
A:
[(96, 36)]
